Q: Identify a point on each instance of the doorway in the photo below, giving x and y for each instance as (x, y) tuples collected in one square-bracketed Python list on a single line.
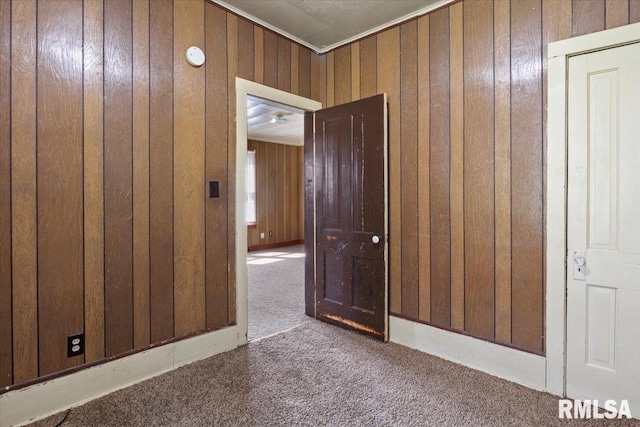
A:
[(346, 206), (275, 217), (244, 89)]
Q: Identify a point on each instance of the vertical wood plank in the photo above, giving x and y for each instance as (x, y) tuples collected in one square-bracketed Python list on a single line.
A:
[(342, 75), (634, 11), (23, 191), (216, 163), (588, 16), (232, 72), (278, 229), (456, 176), (161, 239), (141, 326), (295, 68), (502, 159), (118, 180), (424, 217), (355, 71), (258, 50), (526, 174), (188, 154), (285, 197), (319, 78), (6, 338), (246, 56), (479, 195), (617, 13), (284, 64), (295, 193), (94, 346), (565, 26), (270, 59), (271, 192), (439, 169), (388, 64), (331, 83), (304, 71), (409, 168), (60, 183), (368, 66)]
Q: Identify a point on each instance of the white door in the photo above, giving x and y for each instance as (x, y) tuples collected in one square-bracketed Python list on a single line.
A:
[(603, 266)]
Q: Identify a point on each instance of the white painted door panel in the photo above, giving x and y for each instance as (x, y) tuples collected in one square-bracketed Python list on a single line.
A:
[(603, 299)]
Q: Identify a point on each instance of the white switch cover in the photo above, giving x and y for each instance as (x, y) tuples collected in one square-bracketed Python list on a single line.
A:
[(262, 235)]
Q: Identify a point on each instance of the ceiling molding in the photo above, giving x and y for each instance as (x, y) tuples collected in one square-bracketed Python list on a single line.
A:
[(322, 50)]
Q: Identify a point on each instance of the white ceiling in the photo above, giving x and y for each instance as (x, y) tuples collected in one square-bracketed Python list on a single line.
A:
[(259, 127), (323, 25)]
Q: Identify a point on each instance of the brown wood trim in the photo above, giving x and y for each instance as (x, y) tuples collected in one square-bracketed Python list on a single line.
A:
[(468, 334), (252, 225), (104, 360), (275, 245)]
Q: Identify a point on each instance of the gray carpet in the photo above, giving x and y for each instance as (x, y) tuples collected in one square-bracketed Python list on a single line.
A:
[(321, 375), (276, 290)]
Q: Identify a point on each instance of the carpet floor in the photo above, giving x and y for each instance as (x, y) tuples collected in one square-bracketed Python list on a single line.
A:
[(321, 375), (276, 290)]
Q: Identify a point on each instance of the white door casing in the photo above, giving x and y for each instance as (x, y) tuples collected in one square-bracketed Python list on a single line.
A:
[(244, 88), (603, 231), (556, 190)]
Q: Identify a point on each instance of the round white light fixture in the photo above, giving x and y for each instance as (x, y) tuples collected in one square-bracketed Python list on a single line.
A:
[(195, 56)]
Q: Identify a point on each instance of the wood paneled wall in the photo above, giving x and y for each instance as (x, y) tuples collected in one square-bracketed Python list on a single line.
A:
[(108, 137), (107, 140), (467, 103), (279, 193)]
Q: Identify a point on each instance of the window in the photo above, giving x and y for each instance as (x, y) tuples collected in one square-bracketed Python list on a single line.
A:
[(251, 187)]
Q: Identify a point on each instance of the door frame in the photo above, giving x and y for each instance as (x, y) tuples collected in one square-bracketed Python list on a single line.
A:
[(556, 190), (244, 88)]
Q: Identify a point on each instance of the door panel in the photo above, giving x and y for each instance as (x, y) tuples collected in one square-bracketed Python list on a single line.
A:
[(350, 177), (603, 295)]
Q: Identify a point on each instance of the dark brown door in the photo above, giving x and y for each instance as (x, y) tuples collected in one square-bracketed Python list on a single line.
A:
[(349, 180)]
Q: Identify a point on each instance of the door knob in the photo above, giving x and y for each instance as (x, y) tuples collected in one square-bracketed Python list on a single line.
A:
[(580, 261), (375, 240)]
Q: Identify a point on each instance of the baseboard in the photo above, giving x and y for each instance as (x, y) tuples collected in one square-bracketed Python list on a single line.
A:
[(503, 362), (275, 245), (43, 399)]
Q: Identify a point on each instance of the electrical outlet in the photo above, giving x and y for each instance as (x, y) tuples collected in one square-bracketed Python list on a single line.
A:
[(75, 345), (271, 234)]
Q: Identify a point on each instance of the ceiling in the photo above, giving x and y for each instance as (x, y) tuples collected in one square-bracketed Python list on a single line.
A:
[(260, 112), (323, 25)]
